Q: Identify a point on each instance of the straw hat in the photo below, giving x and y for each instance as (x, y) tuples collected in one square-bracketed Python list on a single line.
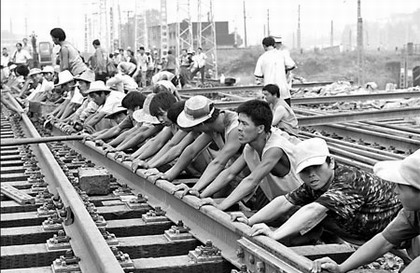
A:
[(34, 71), (87, 76), (143, 115), (196, 110), (64, 77), (48, 69), (97, 86)]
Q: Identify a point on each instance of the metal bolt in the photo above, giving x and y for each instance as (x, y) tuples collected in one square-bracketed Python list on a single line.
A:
[(251, 259), (240, 253), (260, 267)]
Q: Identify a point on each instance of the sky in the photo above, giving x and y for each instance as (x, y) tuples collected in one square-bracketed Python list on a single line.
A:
[(316, 15)]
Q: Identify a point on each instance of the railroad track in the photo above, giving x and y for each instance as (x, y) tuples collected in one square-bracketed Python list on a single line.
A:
[(50, 226), (141, 230)]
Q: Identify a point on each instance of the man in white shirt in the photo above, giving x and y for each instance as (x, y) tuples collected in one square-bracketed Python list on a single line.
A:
[(271, 68), (21, 56), (200, 64)]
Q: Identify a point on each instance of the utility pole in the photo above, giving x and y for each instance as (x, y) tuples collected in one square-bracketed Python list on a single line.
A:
[(184, 39), (360, 76), (26, 27), (268, 22), (332, 34), (199, 38), (298, 30), (245, 37)]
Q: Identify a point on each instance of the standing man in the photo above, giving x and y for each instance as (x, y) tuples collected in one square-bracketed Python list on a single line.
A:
[(68, 55), (200, 64), (185, 63), (282, 48), (270, 68), (140, 74), (21, 56), (99, 61)]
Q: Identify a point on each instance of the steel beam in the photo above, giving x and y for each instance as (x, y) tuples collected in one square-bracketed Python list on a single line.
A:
[(23, 141)]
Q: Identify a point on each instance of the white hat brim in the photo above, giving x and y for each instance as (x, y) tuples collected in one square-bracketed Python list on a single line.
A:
[(390, 171), (185, 122), (142, 116), (313, 161)]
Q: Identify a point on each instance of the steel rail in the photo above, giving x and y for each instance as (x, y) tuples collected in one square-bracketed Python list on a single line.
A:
[(87, 242), (205, 222), (358, 116), (22, 141), (329, 99), (201, 91)]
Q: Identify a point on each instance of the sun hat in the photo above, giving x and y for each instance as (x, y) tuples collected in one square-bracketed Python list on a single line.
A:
[(405, 172), (126, 67), (48, 69), (197, 109), (64, 77), (12, 66), (34, 71), (143, 115), (310, 152), (87, 76), (97, 86), (116, 108)]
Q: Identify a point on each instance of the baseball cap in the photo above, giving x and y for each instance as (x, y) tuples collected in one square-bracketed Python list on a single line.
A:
[(405, 172), (310, 152), (197, 109)]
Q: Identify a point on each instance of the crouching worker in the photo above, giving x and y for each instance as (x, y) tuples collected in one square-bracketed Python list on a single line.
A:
[(132, 101), (347, 202), (267, 154), (106, 101), (403, 230)]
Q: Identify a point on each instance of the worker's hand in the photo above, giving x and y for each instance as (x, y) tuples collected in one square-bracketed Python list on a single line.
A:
[(239, 217), (119, 154), (325, 263), (261, 229), (138, 163), (209, 201)]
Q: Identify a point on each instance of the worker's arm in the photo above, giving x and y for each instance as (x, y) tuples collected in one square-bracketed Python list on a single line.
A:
[(174, 150), (270, 158), (368, 252), (224, 177), (147, 132), (230, 148), (302, 220), (153, 145), (187, 156)]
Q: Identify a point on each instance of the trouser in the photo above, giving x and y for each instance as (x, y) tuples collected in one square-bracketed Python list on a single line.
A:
[(202, 71), (184, 74)]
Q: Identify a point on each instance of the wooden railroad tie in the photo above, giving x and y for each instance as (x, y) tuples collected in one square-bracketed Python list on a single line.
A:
[(17, 195)]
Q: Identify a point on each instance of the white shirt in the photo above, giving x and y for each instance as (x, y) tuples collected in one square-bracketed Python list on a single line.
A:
[(201, 59), (21, 57), (271, 68), (273, 185), (112, 99)]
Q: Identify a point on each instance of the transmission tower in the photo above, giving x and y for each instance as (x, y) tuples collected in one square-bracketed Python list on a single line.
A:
[(360, 57), (163, 29), (140, 24), (184, 26), (206, 36)]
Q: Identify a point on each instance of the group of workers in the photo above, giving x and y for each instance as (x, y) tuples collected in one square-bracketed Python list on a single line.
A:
[(286, 187)]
